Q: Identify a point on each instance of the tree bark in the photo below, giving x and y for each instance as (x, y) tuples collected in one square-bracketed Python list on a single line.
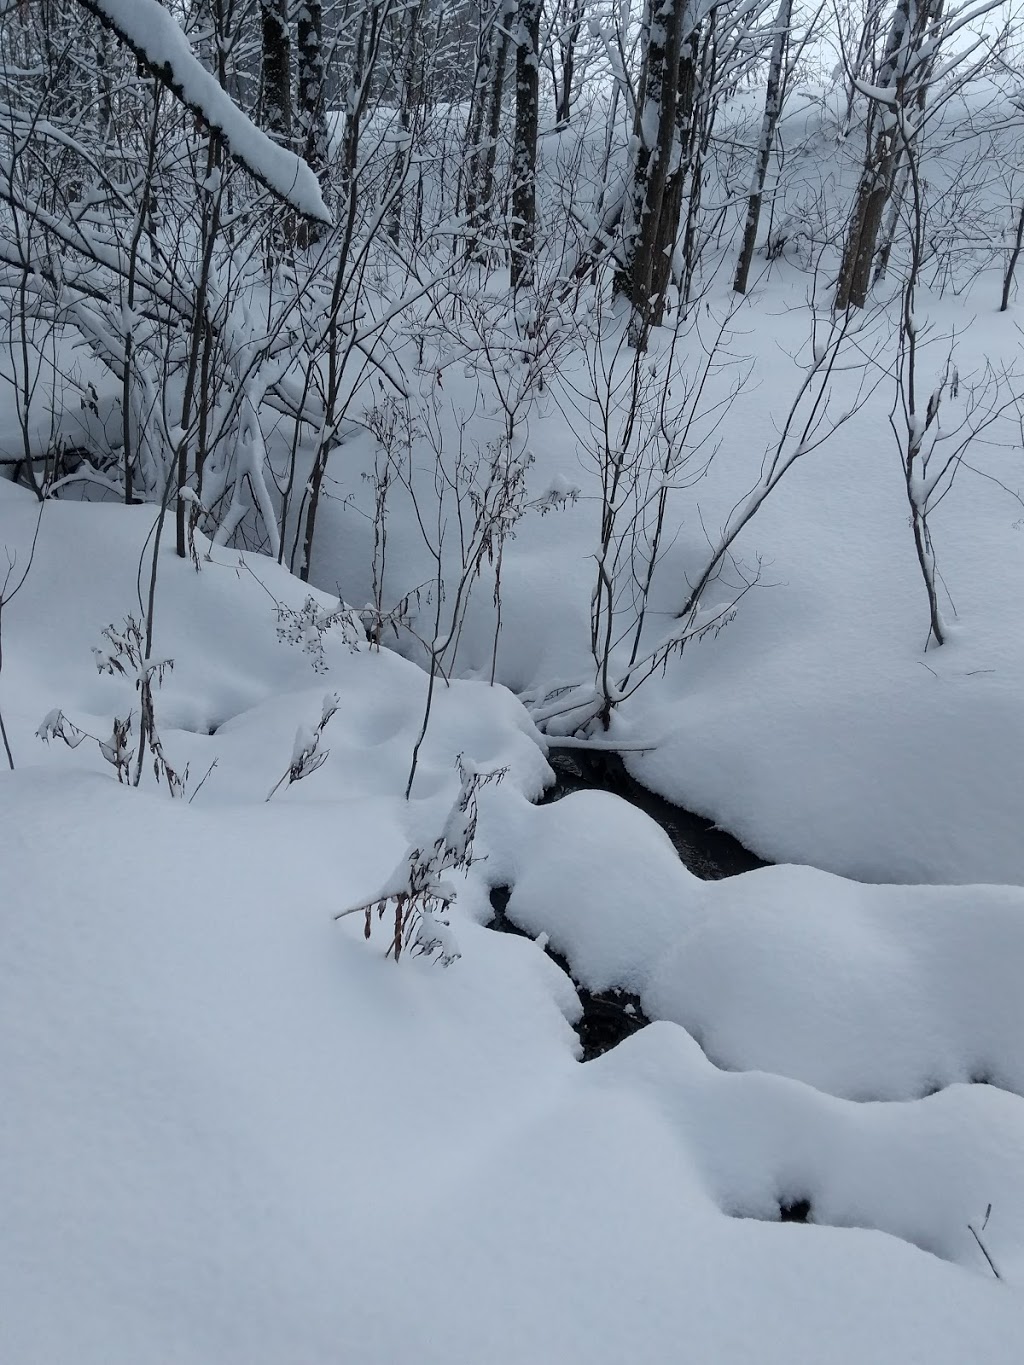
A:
[(410, 97), (1012, 263), (769, 123), (903, 73), (524, 150), (572, 12), (647, 233), (276, 102), (311, 96)]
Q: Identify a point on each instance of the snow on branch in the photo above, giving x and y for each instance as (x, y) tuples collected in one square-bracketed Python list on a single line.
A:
[(159, 42)]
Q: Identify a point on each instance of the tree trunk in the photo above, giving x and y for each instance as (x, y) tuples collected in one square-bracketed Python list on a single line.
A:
[(311, 101), (901, 177), (524, 151), (276, 104), (769, 123), (492, 66), (903, 73), (505, 19), (1012, 263), (485, 49), (647, 233), (684, 167), (572, 13), (410, 95)]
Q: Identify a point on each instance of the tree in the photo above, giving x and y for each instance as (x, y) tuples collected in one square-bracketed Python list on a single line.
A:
[(569, 18), (524, 143), (311, 102), (769, 123), (649, 231), (159, 44), (276, 70), (485, 123), (900, 83)]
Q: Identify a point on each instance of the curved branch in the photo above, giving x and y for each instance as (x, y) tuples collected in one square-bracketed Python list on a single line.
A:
[(160, 44)]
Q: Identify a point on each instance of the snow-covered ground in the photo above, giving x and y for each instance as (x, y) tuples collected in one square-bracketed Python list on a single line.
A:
[(815, 726), (235, 1131)]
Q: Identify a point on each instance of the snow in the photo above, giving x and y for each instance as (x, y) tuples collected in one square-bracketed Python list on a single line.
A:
[(815, 726), (235, 1130), (877, 992), (573, 868), (864, 992), (157, 38), (227, 1111)]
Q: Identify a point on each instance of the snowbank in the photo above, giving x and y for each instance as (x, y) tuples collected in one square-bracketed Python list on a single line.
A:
[(235, 1132)]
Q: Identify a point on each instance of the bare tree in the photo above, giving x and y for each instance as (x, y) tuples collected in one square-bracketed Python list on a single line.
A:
[(769, 123), (1011, 264), (524, 145), (276, 69), (569, 21), (311, 101), (648, 230)]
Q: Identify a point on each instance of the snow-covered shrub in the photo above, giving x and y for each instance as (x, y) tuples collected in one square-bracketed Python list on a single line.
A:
[(127, 658), (418, 892), (307, 755)]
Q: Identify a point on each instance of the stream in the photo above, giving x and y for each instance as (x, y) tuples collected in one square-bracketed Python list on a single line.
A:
[(708, 852)]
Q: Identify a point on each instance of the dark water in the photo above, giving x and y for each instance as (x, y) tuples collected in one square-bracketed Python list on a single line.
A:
[(609, 1016), (709, 852)]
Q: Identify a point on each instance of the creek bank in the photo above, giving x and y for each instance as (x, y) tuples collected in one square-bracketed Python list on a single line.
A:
[(608, 1016), (707, 851)]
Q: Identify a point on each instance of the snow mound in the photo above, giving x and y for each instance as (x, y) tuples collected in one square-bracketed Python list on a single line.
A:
[(762, 1144), (866, 992), (234, 1132), (869, 992), (603, 881)]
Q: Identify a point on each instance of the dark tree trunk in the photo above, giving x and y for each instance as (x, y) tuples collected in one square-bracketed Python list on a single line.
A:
[(1012, 263), (312, 111), (504, 42), (485, 45), (672, 207), (410, 96), (572, 14), (648, 232), (907, 74), (524, 151), (769, 123), (276, 103)]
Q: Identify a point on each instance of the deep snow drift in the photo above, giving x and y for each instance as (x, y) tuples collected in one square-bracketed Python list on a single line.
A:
[(233, 1131), (815, 727)]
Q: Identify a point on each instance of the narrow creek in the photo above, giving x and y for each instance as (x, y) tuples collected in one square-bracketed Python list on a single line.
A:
[(708, 852)]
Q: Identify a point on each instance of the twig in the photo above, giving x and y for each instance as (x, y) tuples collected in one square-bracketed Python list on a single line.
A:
[(200, 787), (981, 1244)]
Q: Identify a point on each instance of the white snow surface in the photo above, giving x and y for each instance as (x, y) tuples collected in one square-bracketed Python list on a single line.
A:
[(234, 1131), (815, 726), (865, 992)]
